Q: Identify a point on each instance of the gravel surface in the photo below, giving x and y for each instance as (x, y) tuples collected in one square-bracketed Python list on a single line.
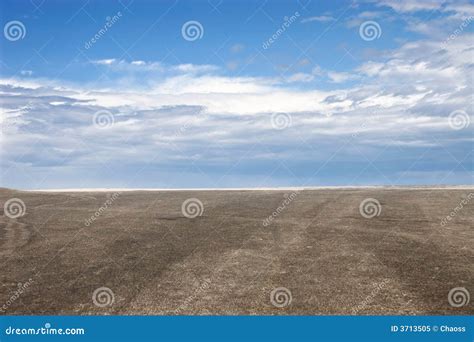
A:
[(316, 255)]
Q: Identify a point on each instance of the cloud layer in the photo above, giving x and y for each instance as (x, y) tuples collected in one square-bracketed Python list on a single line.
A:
[(386, 121)]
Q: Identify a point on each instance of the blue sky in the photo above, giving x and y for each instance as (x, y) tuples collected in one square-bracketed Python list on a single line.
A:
[(253, 94)]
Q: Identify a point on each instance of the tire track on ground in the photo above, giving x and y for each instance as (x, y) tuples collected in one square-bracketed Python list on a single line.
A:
[(15, 235)]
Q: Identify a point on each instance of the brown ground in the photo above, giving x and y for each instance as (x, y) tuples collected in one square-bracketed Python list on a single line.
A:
[(156, 261)]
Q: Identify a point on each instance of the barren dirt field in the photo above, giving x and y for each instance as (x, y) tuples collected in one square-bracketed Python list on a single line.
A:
[(154, 260)]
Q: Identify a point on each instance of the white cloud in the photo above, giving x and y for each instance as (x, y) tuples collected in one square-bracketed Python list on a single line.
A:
[(370, 15), (300, 77), (158, 67), (412, 5), (122, 65), (416, 72), (339, 77), (105, 61), (320, 19), (194, 68), (402, 99)]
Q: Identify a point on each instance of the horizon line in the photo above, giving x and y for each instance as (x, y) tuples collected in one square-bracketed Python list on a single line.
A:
[(387, 187)]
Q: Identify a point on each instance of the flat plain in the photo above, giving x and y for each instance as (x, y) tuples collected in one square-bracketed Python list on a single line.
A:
[(155, 260)]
